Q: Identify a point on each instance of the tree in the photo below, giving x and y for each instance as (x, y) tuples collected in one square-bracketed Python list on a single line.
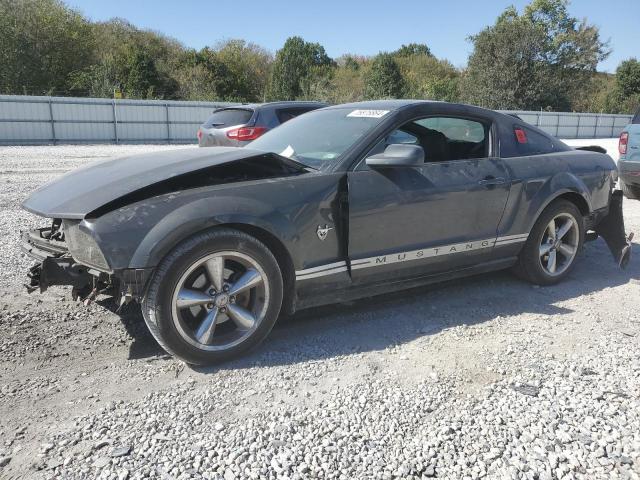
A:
[(628, 77), (247, 65), (384, 80), (427, 77), (142, 63), (542, 58), (624, 97), (298, 66), (41, 43), (412, 49)]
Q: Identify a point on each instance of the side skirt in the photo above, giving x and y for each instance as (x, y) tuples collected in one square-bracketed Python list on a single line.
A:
[(380, 288)]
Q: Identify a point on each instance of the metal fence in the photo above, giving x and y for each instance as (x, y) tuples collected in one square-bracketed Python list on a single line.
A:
[(26, 120), (576, 125)]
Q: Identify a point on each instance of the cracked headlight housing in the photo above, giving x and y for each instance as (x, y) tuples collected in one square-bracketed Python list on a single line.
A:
[(83, 247)]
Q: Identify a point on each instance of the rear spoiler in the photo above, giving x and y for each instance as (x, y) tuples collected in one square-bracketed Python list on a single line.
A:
[(592, 148)]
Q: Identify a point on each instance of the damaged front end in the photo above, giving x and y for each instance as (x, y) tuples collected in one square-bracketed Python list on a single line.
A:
[(611, 229), (49, 246)]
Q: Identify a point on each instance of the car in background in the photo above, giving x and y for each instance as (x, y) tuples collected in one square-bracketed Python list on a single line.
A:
[(238, 125), (629, 162)]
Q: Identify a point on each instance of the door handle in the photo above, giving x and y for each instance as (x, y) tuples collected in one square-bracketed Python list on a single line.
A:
[(491, 180)]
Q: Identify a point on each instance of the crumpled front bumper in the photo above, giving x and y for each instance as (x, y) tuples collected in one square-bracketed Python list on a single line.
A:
[(57, 267)]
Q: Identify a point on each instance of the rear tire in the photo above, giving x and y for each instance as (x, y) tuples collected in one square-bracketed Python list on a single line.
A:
[(551, 250), (214, 297), (632, 193)]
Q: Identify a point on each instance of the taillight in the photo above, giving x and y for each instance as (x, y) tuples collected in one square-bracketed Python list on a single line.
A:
[(622, 144), (245, 134), (199, 134)]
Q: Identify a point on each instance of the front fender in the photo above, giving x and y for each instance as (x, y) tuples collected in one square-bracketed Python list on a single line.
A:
[(202, 214), (140, 234)]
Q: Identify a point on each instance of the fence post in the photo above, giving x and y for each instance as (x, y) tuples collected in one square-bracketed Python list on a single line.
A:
[(613, 127), (115, 120), (53, 126), (558, 126), (166, 109), (578, 126), (595, 128)]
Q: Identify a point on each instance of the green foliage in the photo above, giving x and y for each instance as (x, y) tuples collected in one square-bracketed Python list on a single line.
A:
[(541, 59), (384, 80), (299, 68), (628, 77), (247, 68), (624, 97), (412, 49), (429, 78), (41, 43)]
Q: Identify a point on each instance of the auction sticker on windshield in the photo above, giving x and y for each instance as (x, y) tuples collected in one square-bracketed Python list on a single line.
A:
[(368, 113)]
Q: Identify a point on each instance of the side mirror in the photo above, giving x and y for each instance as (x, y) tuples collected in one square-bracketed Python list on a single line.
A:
[(398, 155)]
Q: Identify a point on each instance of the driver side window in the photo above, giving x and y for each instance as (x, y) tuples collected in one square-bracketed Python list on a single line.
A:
[(442, 138)]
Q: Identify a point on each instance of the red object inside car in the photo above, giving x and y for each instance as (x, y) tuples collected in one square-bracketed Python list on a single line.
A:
[(245, 134), (521, 136)]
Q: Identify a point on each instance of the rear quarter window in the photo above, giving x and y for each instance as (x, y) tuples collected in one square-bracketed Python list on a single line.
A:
[(529, 142), (229, 117), (286, 114)]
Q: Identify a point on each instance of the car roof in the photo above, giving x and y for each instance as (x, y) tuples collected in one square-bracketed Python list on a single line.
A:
[(391, 104), (280, 104)]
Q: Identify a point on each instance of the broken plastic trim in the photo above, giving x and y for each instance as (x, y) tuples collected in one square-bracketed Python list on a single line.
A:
[(611, 228)]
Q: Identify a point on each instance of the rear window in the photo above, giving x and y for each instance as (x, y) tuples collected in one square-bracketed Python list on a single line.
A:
[(229, 117), (530, 142)]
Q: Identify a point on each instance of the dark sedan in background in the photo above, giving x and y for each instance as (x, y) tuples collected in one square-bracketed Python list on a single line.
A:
[(238, 125)]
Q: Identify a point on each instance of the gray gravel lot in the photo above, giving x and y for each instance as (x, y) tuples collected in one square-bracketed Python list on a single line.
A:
[(487, 377)]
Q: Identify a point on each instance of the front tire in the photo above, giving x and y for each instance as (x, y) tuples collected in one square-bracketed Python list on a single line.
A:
[(214, 297), (550, 252)]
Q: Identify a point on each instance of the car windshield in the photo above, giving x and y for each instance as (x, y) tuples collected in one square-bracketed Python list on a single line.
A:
[(318, 139)]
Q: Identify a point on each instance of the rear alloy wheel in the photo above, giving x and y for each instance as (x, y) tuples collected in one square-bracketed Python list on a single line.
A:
[(553, 244), (559, 244), (214, 297)]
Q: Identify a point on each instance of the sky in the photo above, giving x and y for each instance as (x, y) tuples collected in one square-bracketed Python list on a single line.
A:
[(356, 26)]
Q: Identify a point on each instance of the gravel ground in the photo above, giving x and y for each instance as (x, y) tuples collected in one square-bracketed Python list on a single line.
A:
[(488, 377)]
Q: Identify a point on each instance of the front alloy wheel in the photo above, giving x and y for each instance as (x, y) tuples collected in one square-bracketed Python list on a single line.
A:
[(220, 300), (215, 296)]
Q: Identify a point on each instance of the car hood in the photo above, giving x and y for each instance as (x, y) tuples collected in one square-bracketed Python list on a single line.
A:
[(82, 191)]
